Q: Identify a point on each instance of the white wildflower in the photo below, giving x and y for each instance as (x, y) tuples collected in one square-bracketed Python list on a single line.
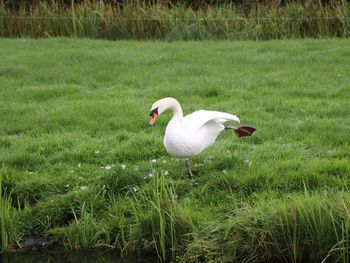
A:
[(108, 167), (150, 175), (97, 151), (134, 188), (153, 160), (166, 173), (123, 166), (83, 187), (248, 162)]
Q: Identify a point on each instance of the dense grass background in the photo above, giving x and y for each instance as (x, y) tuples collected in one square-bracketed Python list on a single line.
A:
[(79, 162), (176, 20)]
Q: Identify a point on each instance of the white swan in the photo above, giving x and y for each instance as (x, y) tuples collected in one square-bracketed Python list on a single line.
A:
[(190, 135)]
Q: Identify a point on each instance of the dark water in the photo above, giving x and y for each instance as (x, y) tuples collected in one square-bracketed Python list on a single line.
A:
[(72, 257)]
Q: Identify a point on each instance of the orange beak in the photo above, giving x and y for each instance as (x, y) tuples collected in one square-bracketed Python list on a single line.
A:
[(153, 119)]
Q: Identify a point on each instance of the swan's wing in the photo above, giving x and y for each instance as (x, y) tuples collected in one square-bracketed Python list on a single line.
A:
[(194, 121)]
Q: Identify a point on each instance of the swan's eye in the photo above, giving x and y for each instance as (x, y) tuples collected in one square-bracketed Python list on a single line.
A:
[(155, 111)]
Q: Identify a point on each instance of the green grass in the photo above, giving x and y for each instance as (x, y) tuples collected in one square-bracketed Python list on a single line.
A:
[(9, 229), (76, 151), (161, 223)]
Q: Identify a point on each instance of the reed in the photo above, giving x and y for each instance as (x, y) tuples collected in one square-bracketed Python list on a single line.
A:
[(138, 20)]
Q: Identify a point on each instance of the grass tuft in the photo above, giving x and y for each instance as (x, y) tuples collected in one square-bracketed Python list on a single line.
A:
[(309, 228), (9, 229), (83, 233), (161, 224)]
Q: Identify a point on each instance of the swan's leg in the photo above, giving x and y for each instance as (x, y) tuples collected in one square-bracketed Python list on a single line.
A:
[(188, 166), (231, 128)]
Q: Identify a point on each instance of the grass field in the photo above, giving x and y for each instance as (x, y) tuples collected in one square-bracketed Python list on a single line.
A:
[(79, 163)]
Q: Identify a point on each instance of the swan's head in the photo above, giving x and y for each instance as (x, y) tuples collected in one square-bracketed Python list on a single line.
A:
[(158, 108)]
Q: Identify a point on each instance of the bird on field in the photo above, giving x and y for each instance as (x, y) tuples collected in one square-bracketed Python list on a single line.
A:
[(188, 136)]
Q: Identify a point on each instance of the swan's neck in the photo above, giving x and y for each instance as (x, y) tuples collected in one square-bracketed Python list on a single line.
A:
[(175, 106)]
